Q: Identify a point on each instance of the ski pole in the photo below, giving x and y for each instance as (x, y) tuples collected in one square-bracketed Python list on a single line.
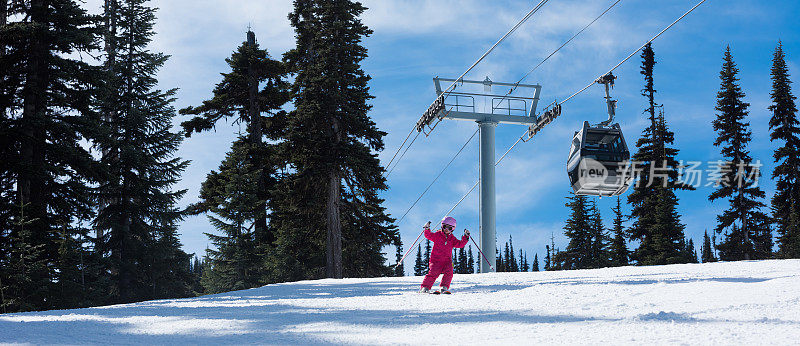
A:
[(409, 249), (481, 252)]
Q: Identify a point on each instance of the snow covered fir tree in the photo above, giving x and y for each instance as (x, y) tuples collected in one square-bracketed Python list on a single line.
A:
[(155, 154)]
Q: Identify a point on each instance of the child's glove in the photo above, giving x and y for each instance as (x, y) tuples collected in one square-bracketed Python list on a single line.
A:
[(427, 225), (466, 232)]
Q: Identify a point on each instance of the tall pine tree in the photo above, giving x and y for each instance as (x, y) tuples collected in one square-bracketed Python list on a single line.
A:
[(744, 221), (420, 266), (332, 145), (231, 198), (139, 213), (619, 251), (252, 93), (470, 261), (46, 117), (427, 254), (463, 264), (786, 130), (600, 253), (513, 265), (240, 194), (691, 252), (706, 252), (399, 269), (578, 254), (547, 258), (656, 222), (523, 262)]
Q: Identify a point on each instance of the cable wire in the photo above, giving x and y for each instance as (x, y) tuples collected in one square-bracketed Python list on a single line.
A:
[(516, 85), (401, 156), (514, 28), (635, 51), (478, 182), (437, 176), (398, 151), (511, 31), (582, 90)]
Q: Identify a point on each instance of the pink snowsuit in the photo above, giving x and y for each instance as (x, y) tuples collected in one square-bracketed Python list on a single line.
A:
[(441, 257)]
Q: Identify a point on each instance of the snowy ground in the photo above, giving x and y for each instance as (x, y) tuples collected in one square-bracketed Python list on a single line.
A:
[(755, 302)]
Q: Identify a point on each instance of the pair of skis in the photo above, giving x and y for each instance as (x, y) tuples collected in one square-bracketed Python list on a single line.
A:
[(437, 292)]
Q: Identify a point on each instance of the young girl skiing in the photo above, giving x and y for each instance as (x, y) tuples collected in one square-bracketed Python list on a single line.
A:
[(441, 261)]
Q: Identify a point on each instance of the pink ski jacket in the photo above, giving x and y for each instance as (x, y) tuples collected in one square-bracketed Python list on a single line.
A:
[(443, 245)]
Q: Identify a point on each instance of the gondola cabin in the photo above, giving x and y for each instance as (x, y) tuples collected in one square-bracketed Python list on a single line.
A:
[(597, 161)]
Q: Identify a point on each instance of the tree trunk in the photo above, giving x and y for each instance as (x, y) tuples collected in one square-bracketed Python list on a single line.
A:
[(256, 139), (32, 172), (333, 267), (111, 14), (125, 276), (745, 228)]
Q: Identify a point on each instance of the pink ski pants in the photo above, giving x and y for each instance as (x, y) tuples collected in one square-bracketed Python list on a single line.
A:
[(436, 268)]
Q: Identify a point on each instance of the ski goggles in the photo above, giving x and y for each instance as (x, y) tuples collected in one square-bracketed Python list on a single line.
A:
[(448, 227)]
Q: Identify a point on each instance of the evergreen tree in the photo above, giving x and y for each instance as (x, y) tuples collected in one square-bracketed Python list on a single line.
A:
[(399, 269), (536, 262), (501, 267), (762, 239), (523, 265), (25, 260), (470, 261), (619, 251), (578, 254), (600, 255), (706, 253), (786, 130), (498, 262), (332, 144), (197, 274), (463, 263), (513, 265), (454, 257), (139, 214), (7, 176), (230, 197), (692, 252), (558, 263), (555, 262), (46, 117), (427, 251), (656, 222), (547, 258), (420, 266), (252, 93), (738, 176)]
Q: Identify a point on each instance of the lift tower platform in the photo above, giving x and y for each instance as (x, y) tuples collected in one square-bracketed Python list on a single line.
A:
[(505, 109)]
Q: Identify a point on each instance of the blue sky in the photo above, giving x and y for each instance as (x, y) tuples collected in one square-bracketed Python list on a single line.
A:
[(415, 40)]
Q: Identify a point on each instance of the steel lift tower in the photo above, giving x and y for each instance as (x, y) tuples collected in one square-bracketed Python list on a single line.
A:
[(506, 109)]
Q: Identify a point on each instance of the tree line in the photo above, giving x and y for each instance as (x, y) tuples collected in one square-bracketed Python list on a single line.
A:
[(88, 207)]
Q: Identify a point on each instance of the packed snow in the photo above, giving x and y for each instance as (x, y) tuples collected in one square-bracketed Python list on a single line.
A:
[(751, 302)]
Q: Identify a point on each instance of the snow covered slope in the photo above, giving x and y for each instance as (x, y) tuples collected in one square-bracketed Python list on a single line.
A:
[(754, 302)]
